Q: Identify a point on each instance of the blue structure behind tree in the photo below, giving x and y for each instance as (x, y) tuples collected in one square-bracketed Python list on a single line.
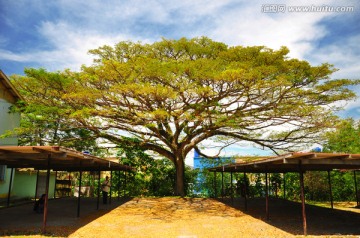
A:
[(204, 186)]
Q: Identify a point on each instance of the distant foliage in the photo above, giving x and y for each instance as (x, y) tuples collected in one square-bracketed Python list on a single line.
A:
[(151, 177), (345, 138), (317, 186)]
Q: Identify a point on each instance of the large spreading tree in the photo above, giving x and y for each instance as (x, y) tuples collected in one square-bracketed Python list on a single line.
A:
[(174, 95)]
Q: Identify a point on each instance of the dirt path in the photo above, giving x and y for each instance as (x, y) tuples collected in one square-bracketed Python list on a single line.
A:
[(176, 217)]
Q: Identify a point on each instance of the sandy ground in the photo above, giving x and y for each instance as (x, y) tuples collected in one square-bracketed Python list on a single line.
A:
[(179, 217)]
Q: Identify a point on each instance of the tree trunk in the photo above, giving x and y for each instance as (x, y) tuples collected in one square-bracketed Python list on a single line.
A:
[(180, 177)]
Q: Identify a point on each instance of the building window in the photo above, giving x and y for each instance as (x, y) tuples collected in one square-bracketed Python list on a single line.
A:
[(2, 172)]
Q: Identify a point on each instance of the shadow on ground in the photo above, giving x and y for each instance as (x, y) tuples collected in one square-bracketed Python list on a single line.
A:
[(62, 219), (287, 216), (175, 217)]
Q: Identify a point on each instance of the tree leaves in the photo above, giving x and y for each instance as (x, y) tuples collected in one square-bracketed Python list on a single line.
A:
[(345, 138), (175, 94)]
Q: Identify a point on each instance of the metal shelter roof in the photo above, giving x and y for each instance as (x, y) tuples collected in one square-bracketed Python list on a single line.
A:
[(56, 158), (295, 162)]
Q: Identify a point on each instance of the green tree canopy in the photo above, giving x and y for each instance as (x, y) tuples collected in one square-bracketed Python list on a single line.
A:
[(173, 95), (345, 138), (44, 119)]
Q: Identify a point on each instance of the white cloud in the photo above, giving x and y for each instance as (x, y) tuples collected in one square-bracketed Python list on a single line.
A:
[(344, 56), (69, 47), (78, 26), (8, 55), (250, 26), (72, 28)]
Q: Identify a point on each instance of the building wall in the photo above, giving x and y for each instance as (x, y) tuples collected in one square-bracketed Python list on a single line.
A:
[(200, 162), (203, 164), (4, 184), (25, 184), (8, 121)]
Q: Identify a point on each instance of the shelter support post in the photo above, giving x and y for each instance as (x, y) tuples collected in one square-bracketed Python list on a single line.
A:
[(222, 185), (79, 193), (267, 196), (56, 174), (125, 184), (46, 202), (231, 187), (356, 189), (118, 185), (330, 190), (245, 191), (36, 186), (68, 193), (110, 192), (98, 191), (215, 190), (303, 202), (10, 185), (284, 184)]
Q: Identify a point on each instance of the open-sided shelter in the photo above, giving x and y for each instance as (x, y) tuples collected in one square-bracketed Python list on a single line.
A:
[(295, 162), (55, 158), (40, 158)]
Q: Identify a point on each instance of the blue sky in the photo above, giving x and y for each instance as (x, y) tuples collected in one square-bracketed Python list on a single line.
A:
[(58, 34)]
